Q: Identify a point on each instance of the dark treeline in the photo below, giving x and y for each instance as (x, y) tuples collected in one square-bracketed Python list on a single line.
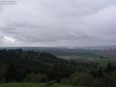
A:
[(101, 77), (19, 66)]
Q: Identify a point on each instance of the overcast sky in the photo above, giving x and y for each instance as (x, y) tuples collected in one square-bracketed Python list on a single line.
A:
[(58, 23)]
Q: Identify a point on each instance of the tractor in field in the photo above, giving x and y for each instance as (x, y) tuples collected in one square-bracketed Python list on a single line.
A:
[(50, 84)]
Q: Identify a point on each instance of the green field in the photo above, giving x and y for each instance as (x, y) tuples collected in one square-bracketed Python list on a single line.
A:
[(89, 56), (78, 54), (73, 54), (34, 85)]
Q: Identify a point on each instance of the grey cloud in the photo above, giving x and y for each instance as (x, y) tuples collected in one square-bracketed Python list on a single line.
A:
[(60, 22), (8, 30), (68, 8), (24, 24)]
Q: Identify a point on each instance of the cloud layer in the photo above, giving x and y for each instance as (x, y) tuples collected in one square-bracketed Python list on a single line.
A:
[(72, 23)]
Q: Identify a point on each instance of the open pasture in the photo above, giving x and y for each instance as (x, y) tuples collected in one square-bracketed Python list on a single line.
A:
[(77, 54), (85, 57)]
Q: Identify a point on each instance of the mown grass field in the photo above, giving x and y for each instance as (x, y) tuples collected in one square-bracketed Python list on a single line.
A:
[(90, 56), (34, 85), (76, 54)]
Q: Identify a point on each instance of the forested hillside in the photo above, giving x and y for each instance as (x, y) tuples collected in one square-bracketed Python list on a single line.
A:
[(15, 65), (20, 66)]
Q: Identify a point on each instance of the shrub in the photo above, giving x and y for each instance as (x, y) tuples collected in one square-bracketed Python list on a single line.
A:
[(65, 81), (29, 77), (81, 79), (39, 78)]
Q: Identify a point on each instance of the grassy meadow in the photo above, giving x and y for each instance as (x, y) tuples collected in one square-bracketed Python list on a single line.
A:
[(90, 56), (34, 85)]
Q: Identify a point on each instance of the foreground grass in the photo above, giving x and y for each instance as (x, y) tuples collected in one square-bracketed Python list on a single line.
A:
[(34, 85)]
